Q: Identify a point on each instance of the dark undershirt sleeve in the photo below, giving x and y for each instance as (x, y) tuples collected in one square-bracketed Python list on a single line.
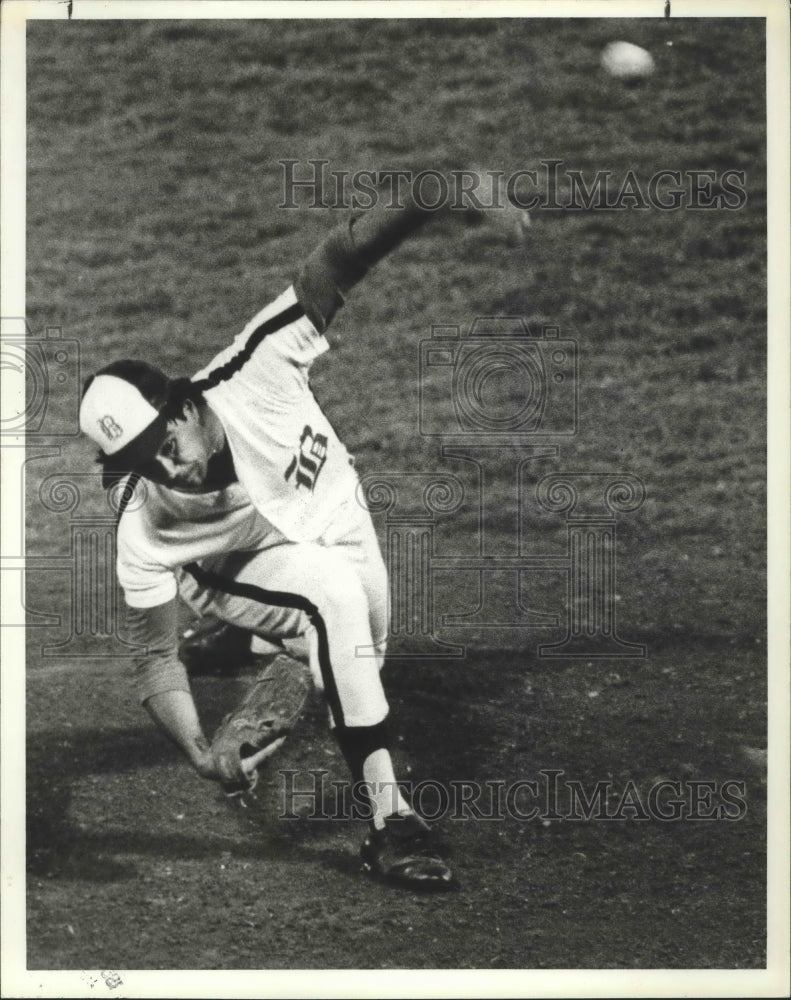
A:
[(348, 252), (157, 669), (327, 276)]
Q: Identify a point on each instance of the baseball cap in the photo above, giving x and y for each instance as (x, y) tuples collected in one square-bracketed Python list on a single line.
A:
[(123, 411)]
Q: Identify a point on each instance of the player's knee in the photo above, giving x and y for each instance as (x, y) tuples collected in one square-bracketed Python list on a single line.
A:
[(336, 589), (380, 575)]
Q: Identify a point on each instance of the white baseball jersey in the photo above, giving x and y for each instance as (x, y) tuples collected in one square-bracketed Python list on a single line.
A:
[(293, 471)]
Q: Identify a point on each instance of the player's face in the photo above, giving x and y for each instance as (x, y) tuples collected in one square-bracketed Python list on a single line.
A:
[(182, 462)]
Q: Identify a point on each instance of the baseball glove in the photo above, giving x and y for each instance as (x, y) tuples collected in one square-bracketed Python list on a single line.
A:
[(269, 711)]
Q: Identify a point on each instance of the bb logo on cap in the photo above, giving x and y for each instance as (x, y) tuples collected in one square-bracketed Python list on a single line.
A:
[(110, 428), (108, 395)]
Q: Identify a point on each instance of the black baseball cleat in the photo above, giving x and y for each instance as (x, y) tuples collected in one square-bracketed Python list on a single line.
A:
[(401, 854)]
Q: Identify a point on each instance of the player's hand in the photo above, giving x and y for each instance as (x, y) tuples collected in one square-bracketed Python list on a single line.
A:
[(257, 726), (204, 763), (505, 218), (251, 764)]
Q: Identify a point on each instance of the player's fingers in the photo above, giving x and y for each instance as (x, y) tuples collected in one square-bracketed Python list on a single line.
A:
[(251, 763)]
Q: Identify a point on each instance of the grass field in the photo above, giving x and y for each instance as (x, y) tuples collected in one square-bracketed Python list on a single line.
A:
[(153, 231)]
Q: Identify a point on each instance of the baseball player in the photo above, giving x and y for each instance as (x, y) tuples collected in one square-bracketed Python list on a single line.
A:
[(242, 501)]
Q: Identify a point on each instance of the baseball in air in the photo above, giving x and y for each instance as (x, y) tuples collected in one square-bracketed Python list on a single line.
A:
[(625, 61)]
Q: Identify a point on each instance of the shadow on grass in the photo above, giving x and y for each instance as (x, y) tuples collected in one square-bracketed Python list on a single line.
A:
[(62, 851), (58, 847)]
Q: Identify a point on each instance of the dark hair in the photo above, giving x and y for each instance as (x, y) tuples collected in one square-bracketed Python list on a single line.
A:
[(165, 394)]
